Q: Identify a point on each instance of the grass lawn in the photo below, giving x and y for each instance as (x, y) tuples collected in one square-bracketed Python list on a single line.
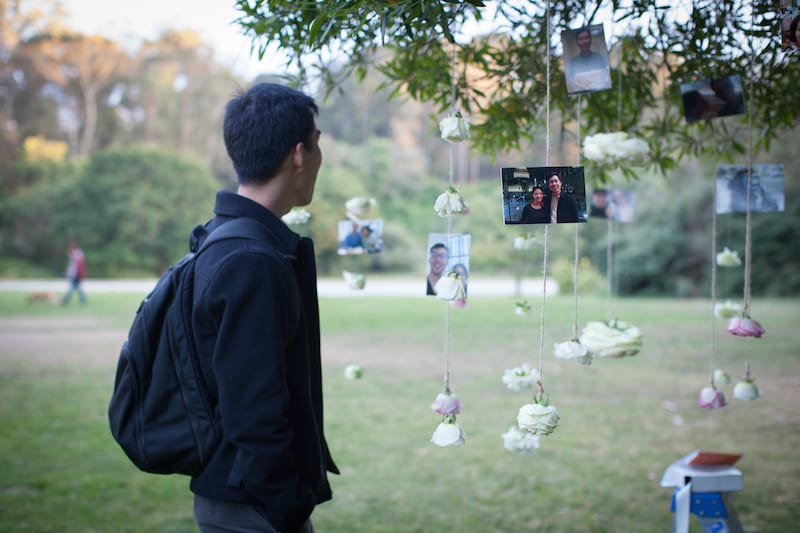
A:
[(624, 420)]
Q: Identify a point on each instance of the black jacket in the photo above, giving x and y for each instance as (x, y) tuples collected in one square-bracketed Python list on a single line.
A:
[(256, 328)]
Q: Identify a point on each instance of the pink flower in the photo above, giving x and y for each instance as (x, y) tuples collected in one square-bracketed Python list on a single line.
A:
[(745, 327), (447, 404), (711, 398)]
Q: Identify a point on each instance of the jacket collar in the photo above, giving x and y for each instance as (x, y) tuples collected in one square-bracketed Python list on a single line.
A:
[(231, 205)]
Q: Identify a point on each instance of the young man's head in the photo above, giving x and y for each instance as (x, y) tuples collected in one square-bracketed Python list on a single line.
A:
[(263, 125), (438, 258), (584, 39), (554, 184)]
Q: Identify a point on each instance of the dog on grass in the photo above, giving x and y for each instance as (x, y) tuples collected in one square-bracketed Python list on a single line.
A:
[(43, 297)]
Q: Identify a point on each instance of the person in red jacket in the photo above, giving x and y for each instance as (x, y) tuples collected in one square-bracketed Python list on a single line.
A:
[(76, 272)]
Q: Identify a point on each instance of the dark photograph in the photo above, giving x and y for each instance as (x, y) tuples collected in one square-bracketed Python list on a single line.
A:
[(766, 188), (543, 195), (721, 97)]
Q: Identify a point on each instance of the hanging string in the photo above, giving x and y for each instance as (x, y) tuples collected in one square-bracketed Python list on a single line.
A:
[(577, 233), (450, 180), (713, 278), (748, 242), (546, 233)]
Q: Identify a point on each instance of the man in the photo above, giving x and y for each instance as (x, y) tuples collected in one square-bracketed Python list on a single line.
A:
[(76, 271), (563, 208), (256, 327), (586, 59), (353, 240), (439, 256)]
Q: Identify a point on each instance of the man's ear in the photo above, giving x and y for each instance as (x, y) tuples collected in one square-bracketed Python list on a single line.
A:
[(298, 155)]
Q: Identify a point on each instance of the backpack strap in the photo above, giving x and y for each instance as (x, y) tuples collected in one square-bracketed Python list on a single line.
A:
[(238, 228)]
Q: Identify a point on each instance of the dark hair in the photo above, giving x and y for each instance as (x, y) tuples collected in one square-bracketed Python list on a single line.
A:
[(438, 245), (793, 29), (537, 187), (262, 125), (581, 30)]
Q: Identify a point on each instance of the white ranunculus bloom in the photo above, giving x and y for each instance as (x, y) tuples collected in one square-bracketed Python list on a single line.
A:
[(521, 377), (450, 202), (454, 128), (746, 390), (538, 419), (727, 309), (525, 241), (711, 398), (615, 338), (353, 372), (616, 149), (522, 308), (523, 442), (728, 258), (296, 216), (360, 205), (450, 287), (447, 434), (354, 280), (721, 377), (572, 351)]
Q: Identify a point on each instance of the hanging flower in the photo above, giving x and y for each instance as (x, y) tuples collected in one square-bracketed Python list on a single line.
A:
[(523, 442), (525, 241), (522, 377), (354, 280), (296, 216), (711, 398), (447, 404), (615, 338), (450, 202), (359, 205), (522, 308), (721, 377), (454, 128), (450, 287), (728, 258), (539, 417), (727, 309), (744, 326), (448, 433), (746, 390), (616, 149), (353, 372), (461, 302), (572, 351)]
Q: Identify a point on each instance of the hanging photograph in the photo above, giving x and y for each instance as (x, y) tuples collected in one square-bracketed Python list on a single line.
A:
[(721, 97), (586, 59), (613, 204), (543, 195), (360, 237), (789, 29), (447, 253), (766, 188)]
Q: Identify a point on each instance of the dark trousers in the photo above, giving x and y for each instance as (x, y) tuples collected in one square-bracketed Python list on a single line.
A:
[(214, 516)]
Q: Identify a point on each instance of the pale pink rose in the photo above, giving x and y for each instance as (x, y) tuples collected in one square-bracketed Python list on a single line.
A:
[(711, 398), (745, 327), (447, 404)]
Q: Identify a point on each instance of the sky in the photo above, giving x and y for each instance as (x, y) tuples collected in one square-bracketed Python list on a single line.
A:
[(140, 19)]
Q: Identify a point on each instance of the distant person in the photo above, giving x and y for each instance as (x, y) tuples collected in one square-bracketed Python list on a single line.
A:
[(76, 272), (535, 211), (439, 256), (600, 206), (563, 207), (353, 240), (794, 32), (760, 199), (461, 270), (585, 60), (370, 240)]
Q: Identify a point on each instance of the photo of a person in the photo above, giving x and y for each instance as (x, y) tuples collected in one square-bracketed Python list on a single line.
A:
[(707, 99), (362, 237), (534, 212), (766, 188), (446, 253), (599, 207), (461, 270), (586, 66), (794, 32), (552, 195)]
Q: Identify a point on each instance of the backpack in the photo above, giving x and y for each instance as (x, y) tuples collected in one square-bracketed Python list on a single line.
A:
[(160, 412)]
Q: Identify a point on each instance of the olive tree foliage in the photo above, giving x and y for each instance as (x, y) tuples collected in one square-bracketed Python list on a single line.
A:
[(499, 77)]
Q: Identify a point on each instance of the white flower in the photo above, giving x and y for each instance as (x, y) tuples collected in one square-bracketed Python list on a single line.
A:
[(450, 202), (354, 280), (538, 419), (353, 372), (524, 442), (450, 287), (359, 205), (615, 338), (721, 377), (746, 390), (728, 258), (454, 128), (525, 241), (572, 351), (447, 404), (711, 398), (522, 377), (727, 309), (297, 215), (616, 149), (448, 434), (523, 308)]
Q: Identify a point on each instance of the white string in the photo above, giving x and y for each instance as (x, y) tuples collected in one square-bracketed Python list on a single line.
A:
[(713, 279), (450, 179), (546, 233), (576, 259), (748, 243)]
